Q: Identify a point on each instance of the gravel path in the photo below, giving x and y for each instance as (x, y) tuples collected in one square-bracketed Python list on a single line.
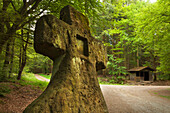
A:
[(132, 99), (135, 99), (41, 78)]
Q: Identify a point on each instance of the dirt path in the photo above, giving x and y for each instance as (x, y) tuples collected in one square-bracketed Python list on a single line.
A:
[(41, 78), (119, 99), (136, 99)]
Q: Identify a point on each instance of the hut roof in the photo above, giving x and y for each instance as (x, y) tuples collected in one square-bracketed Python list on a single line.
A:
[(140, 69)]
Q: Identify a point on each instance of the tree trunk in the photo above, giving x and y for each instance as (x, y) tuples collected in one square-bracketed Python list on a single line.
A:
[(12, 58), (155, 77), (22, 64), (155, 65), (23, 56), (20, 71), (6, 66), (137, 56), (5, 37), (23, 11)]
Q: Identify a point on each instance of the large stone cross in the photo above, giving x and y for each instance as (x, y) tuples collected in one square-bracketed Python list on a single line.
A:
[(77, 57)]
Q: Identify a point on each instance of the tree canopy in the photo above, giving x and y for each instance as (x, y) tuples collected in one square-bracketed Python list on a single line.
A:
[(136, 33)]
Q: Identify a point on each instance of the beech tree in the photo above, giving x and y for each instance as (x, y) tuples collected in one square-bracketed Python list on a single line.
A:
[(14, 15), (152, 27)]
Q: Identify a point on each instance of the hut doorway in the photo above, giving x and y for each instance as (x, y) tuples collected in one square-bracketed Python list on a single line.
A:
[(146, 76)]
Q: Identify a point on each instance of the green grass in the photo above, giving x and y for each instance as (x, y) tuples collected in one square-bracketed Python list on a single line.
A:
[(158, 94), (107, 81), (111, 84), (4, 89), (155, 93), (168, 97), (104, 80), (30, 79), (45, 76)]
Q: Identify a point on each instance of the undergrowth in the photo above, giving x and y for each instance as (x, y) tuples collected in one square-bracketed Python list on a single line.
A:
[(120, 80), (30, 79), (163, 77)]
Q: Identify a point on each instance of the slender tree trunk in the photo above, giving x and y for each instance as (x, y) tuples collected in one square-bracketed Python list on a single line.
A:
[(155, 77), (23, 63), (128, 59), (137, 56), (20, 58), (6, 66), (155, 65), (23, 57), (20, 71), (154, 61), (12, 58)]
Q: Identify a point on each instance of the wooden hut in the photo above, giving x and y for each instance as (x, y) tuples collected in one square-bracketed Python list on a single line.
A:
[(139, 74)]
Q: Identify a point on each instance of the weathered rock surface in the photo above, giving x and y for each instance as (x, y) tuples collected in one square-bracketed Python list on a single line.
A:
[(77, 56)]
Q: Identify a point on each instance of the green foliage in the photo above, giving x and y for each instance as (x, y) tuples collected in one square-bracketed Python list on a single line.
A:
[(152, 27), (114, 66), (118, 35), (38, 63), (163, 77), (126, 27), (17, 15), (118, 80), (46, 76), (103, 80), (28, 79), (141, 29), (4, 89)]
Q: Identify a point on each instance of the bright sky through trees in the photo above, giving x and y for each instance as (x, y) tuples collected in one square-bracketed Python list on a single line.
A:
[(152, 1)]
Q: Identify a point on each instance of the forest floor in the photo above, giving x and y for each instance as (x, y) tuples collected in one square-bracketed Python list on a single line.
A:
[(19, 97), (119, 99)]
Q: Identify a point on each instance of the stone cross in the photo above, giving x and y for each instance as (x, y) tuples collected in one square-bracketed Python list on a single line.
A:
[(77, 57)]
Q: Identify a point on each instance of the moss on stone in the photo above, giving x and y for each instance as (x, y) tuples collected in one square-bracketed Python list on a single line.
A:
[(74, 87)]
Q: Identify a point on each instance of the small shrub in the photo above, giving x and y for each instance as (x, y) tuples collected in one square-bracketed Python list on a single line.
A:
[(113, 80), (103, 80), (118, 80), (121, 79), (163, 77)]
